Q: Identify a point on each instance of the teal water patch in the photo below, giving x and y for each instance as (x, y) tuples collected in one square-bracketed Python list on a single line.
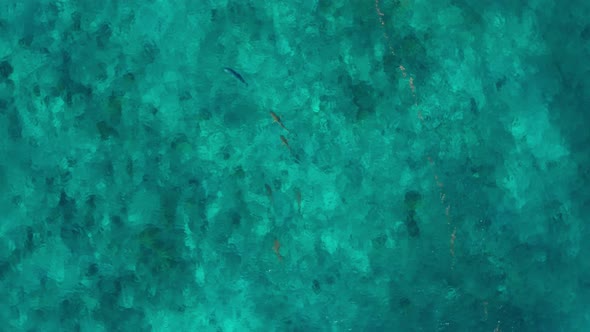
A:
[(303, 166)]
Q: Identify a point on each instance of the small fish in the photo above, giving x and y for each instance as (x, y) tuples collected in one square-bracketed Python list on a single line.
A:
[(286, 142), (276, 247), (235, 74), (269, 193), (276, 119), (298, 199)]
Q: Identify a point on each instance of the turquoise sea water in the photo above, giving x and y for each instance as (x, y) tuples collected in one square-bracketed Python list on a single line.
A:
[(389, 165)]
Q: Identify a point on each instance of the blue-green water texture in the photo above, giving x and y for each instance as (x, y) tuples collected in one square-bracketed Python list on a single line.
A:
[(295, 166)]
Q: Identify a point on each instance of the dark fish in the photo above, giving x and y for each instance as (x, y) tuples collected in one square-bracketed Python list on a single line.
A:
[(234, 74)]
